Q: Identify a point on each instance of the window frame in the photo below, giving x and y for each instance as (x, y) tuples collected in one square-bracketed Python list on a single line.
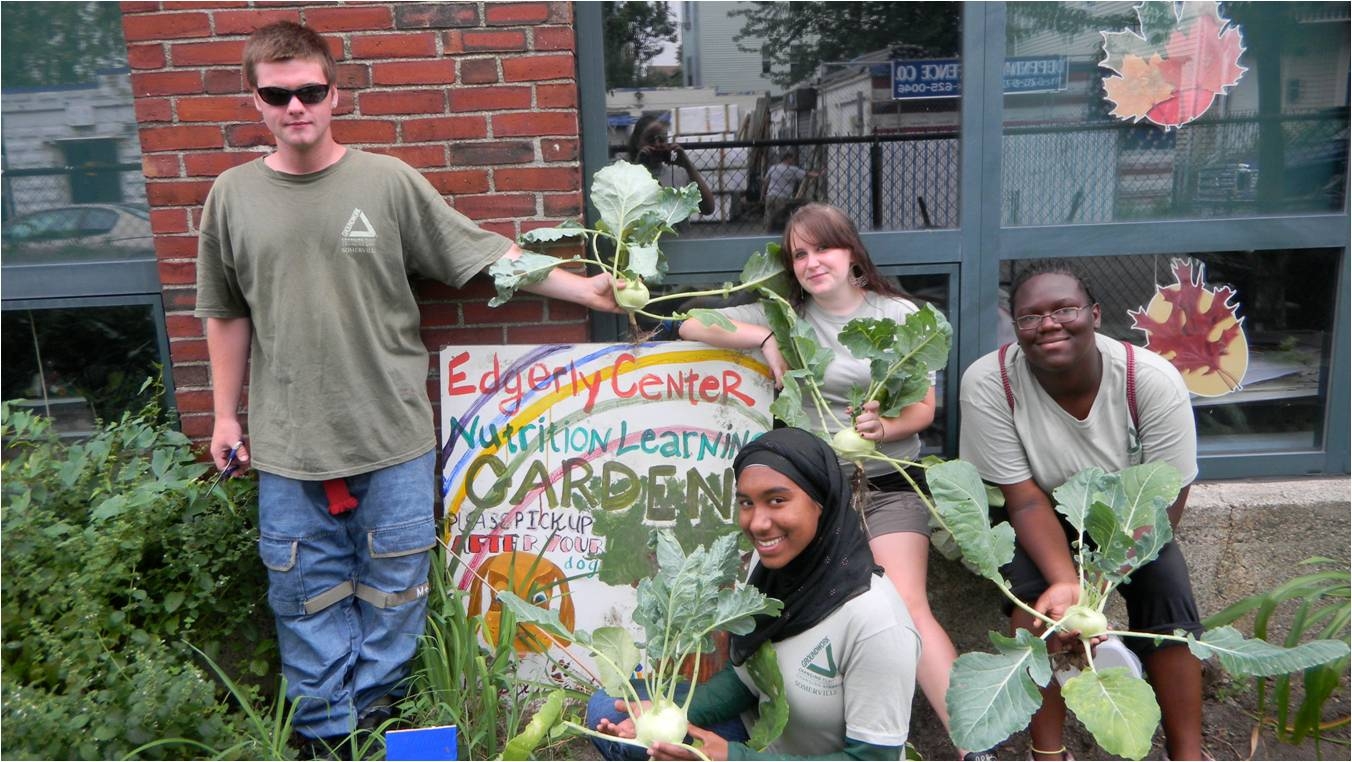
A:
[(972, 252)]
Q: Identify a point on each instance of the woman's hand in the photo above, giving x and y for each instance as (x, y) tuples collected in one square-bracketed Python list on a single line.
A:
[(624, 728), (714, 746), (869, 424), (778, 365), (1054, 601)]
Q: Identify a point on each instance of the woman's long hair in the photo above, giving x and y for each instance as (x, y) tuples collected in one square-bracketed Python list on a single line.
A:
[(828, 226)]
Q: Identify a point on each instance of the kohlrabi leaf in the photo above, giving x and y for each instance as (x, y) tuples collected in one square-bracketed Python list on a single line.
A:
[(565, 229), (523, 744), (621, 657), (765, 270), (960, 498), (1118, 708), (1129, 521), (622, 193), (773, 713), (1077, 494), (1258, 658), (511, 274), (900, 355), (788, 404), (671, 206), (643, 261), (712, 318), (689, 597), (796, 339), (993, 696)]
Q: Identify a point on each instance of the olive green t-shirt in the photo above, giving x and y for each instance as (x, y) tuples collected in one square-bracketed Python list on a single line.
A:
[(320, 264)]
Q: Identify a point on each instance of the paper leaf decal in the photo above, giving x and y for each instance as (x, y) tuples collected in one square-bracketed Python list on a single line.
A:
[(1171, 71), (1197, 329)]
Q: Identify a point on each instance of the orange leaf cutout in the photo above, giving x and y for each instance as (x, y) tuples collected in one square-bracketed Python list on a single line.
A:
[(1197, 329), (1141, 87)]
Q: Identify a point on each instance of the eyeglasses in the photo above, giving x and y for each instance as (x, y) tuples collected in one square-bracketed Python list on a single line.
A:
[(1061, 316), (280, 96)]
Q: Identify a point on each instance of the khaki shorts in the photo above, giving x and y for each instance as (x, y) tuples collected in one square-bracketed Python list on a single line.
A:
[(889, 512)]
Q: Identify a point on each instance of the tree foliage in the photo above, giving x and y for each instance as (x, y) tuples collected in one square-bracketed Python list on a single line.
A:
[(798, 36), (634, 34), (46, 44)]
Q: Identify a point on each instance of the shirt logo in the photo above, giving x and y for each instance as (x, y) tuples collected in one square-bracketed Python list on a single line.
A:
[(358, 226), (822, 660)]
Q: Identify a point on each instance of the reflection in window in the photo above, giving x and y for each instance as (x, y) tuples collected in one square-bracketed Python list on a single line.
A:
[(1276, 142), (817, 82), (78, 364), (1280, 360)]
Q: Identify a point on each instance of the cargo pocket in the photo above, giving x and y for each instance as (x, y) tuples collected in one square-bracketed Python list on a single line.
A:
[(399, 559), (402, 540), (285, 593)]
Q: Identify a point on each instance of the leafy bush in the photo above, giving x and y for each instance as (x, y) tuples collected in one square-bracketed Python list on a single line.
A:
[(116, 555)]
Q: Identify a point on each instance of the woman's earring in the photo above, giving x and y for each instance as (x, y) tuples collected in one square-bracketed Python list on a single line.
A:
[(857, 278)]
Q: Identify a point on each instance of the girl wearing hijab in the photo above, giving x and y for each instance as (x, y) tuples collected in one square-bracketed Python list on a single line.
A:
[(846, 647)]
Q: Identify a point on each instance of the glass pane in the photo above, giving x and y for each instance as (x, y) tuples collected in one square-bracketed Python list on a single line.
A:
[(1203, 111), (73, 189), (78, 364), (1256, 357), (861, 112)]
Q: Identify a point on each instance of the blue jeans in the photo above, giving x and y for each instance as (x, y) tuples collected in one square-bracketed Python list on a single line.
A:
[(602, 706), (349, 592)]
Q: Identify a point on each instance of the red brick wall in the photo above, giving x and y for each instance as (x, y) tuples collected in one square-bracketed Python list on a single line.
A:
[(480, 97)]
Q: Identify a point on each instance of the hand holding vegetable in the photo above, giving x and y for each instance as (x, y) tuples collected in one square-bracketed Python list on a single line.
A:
[(710, 743), (869, 424)]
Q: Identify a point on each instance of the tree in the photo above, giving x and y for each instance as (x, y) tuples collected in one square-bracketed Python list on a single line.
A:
[(47, 44), (798, 36), (634, 34)]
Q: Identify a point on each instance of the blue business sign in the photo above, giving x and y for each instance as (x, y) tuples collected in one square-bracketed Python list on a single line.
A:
[(942, 78)]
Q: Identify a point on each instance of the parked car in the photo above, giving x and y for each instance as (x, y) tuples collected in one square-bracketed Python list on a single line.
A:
[(84, 231)]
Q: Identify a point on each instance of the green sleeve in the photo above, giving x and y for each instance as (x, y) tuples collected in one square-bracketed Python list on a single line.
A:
[(721, 697), (853, 750)]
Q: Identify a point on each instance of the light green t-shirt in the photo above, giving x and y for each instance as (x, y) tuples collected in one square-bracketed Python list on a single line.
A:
[(845, 371), (320, 264), (1041, 441), (852, 675)]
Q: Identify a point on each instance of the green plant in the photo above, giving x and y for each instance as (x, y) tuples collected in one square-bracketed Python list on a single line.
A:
[(116, 552), (1122, 523), (1321, 610), (635, 212), (679, 609)]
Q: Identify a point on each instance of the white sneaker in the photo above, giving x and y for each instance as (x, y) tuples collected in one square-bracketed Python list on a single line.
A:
[(1110, 653)]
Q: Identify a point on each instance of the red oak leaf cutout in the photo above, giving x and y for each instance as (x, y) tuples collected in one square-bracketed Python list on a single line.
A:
[(1191, 47), (1197, 329)]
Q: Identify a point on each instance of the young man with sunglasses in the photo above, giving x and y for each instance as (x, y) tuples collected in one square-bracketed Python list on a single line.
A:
[(303, 277)]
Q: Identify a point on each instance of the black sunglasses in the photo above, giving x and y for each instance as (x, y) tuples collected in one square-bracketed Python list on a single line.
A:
[(280, 96)]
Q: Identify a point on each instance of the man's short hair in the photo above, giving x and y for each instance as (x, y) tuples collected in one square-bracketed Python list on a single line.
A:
[(284, 41)]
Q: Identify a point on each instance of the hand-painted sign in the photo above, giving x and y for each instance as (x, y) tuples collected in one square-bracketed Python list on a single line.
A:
[(559, 461), (942, 78)]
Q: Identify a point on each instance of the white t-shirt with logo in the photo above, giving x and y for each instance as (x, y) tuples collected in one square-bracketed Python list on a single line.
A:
[(1039, 439), (851, 676)]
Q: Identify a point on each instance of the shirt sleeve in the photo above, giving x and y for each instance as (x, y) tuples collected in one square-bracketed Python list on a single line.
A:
[(440, 242), (721, 697), (987, 437), (219, 294), (1167, 426)]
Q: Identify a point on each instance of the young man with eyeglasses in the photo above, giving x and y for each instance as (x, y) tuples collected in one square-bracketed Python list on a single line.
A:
[(303, 276)]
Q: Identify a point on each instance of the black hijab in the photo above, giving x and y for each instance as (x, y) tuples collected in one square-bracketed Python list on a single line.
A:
[(835, 566)]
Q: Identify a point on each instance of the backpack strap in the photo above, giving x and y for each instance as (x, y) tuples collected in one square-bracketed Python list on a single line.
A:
[(1131, 386), (1004, 377), (1131, 383)]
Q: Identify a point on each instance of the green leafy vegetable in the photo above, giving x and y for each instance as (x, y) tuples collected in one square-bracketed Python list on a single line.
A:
[(773, 713)]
